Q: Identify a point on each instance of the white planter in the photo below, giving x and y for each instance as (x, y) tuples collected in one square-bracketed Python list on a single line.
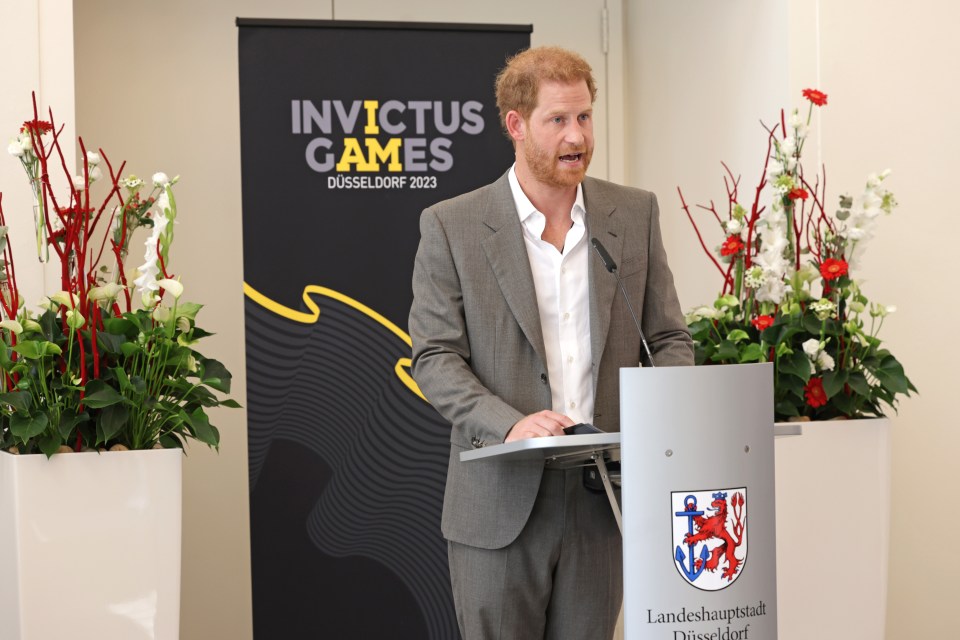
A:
[(833, 530), (90, 545)]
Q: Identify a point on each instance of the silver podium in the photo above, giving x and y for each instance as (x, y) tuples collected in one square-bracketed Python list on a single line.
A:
[(696, 448)]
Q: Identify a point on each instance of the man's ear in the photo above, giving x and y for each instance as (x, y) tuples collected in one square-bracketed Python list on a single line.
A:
[(516, 126)]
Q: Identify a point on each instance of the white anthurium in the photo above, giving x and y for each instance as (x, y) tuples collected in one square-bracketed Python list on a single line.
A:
[(47, 304), (173, 286), (65, 298), (75, 319), (183, 323), (32, 326), (108, 291), (162, 314), (12, 326), (146, 282)]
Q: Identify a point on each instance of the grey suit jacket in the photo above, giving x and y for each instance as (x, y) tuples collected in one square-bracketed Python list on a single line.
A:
[(478, 352)]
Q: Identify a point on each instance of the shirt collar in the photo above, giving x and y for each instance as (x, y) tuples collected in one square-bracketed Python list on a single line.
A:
[(525, 208)]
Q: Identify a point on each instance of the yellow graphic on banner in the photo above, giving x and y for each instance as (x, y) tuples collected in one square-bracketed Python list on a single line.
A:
[(403, 364)]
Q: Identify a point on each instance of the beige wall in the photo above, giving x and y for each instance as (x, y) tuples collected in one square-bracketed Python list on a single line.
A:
[(158, 83), (700, 75)]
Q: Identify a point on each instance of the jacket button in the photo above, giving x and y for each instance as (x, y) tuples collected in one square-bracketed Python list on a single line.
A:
[(543, 378)]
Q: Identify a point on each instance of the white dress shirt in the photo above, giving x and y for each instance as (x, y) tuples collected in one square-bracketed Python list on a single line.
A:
[(563, 298)]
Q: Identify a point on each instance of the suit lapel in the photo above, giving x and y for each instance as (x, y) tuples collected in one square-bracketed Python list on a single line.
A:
[(507, 255), (604, 225)]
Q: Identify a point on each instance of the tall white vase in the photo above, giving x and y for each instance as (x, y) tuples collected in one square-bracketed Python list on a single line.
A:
[(90, 545), (833, 530)]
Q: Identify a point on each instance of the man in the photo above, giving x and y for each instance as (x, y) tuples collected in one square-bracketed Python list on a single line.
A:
[(518, 332)]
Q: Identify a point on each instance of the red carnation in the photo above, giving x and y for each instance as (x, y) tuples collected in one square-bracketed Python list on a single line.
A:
[(731, 246), (798, 194), (762, 322), (831, 269), (816, 396), (818, 98)]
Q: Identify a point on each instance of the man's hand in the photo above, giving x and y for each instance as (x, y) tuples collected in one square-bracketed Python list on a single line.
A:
[(538, 425)]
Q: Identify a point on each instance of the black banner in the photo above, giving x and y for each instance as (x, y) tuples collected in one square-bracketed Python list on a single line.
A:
[(348, 130)]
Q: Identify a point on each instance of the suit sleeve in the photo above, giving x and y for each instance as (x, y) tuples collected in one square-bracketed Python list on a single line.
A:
[(441, 347), (663, 322)]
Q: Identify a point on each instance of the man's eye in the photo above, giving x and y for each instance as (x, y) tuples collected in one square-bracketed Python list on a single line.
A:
[(558, 119), (584, 117)]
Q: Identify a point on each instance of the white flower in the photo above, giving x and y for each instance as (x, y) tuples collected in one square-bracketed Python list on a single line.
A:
[(75, 319), (132, 182), (733, 226), (12, 325), (701, 313), (183, 324), (66, 298), (824, 308), (93, 158), (891, 309), (79, 183), (825, 361), (788, 147), (108, 291), (811, 347), (161, 180), (173, 286), (773, 290), (147, 280), (47, 304), (15, 149), (162, 314), (95, 173), (856, 306)]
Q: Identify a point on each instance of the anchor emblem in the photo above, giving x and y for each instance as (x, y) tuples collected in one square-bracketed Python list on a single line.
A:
[(695, 568)]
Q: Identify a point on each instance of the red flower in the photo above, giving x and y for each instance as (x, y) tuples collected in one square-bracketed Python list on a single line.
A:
[(39, 127), (762, 322), (818, 98), (798, 194), (831, 269), (816, 396), (731, 246)]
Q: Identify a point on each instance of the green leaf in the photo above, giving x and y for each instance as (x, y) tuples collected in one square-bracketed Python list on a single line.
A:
[(786, 408), (202, 429), (112, 420), (215, 375), (68, 420), (128, 349), (891, 376), (171, 441), (233, 404), (19, 400), (26, 427), (188, 309), (833, 382), (752, 353), (30, 349), (50, 444), (121, 327), (98, 395), (858, 382), (111, 342), (797, 364), (737, 335)]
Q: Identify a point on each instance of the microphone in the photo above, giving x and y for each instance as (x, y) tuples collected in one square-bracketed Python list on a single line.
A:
[(611, 266)]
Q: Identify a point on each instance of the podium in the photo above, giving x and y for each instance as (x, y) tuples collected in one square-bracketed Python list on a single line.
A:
[(696, 449)]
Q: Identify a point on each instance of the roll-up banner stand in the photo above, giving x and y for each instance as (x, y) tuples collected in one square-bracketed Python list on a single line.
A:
[(348, 131)]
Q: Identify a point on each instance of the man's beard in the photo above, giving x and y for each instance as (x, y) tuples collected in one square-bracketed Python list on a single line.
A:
[(549, 169)]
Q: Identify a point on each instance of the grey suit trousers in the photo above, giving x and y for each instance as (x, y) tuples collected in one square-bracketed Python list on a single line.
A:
[(512, 594)]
